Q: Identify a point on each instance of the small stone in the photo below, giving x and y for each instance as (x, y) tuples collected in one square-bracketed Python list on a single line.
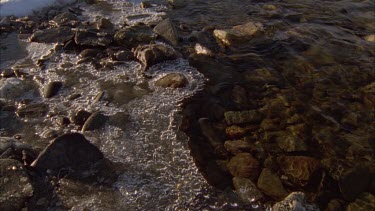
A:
[(365, 202), (95, 121), (370, 38), (271, 185), (244, 165), (238, 146), (32, 110), (200, 49), (240, 117), (295, 201), (74, 96), (80, 117), (238, 34), (70, 151), (177, 3), (7, 73), (299, 168), (52, 88), (167, 30), (90, 53), (270, 7), (246, 190), (155, 53), (63, 121), (290, 143), (119, 120), (235, 131), (52, 35), (173, 80)]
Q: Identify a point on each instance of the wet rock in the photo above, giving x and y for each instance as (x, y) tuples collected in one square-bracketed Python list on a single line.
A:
[(52, 88), (177, 3), (65, 19), (124, 56), (366, 201), (290, 143), (95, 121), (15, 185), (134, 36), (14, 149), (173, 80), (50, 134), (92, 38), (71, 152), (299, 168), (211, 135), (149, 55), (63, 121), (90, 53), (145, 4), (7, 73), (104, 24), (167, 30), (238, 146), (354, 182), (33, 110), (244, 165), (52, 35), (295, 201), (200, 49), (240, 117), (271, 185), (246, 190), (370, 38), (238, 34), (80, 117)]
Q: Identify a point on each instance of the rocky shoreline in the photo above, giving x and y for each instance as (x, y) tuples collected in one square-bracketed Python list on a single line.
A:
[(281, 135)]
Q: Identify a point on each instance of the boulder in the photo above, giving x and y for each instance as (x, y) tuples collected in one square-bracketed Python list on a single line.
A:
[(152, 54), (173, 80), (271, 185), (15, 185), (80, 117), (95, 121), (52, 35), (246, 190), (71, 152), (167, 30), (244, 165), (90, 53), (133, 36)]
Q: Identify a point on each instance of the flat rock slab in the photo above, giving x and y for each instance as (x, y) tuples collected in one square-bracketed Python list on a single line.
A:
[(52, 35), (15, 186), (69, 151)]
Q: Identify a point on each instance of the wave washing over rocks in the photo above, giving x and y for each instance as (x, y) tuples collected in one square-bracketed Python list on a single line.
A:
[(184, 105)]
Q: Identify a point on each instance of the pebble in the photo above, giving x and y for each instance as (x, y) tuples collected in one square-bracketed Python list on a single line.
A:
[(52, 88)]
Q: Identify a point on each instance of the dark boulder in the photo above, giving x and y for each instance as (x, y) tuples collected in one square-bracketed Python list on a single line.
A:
[(167, 30)]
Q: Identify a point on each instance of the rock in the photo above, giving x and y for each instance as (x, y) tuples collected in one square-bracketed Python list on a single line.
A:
[(16, 187), (365, 202), (290, 143), (71, 152), (244, 165), (80, 117), (235, 131), (124, 56), (92, 38), (177, 3), (246, 190), (295, 201), (52, 88), (65, 19), (213, 138), (238, 34), (95, 121), (11, 88), (134, 36), (52, 35), (33, 110), (354, 182), (90, 53), (370, 38), (240, 117), (7, 73), (62, 121), (167, 30), (299, 168), (270, 184), (335, 205), (149, 55), (200, 49), (238, 146), (14, 149), (104, 24), (173, 80), (270, 7), (145, 4)]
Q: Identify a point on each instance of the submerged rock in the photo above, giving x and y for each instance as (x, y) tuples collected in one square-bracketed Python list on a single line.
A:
[(68, 152), (370, 38), (271, 184), (173, 80), (149, 55), (295, 201), (11, 88), (167, 30), (134, 36), (290, 143), (213, 138), (238, 146), (244, 165), (240, 117), (299, 168), (52, 88), (238, 34), (15, 185), (52, 35), (246, 190)]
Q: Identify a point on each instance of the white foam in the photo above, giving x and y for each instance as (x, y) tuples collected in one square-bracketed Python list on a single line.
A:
[(26, 7)]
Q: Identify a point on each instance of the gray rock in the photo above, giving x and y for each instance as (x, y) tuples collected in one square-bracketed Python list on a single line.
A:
[(271, 185), (33, 110), (145, 4), (71, 152), (52, 88), (95, 121), (240, 117), (52, 35), (15, 185), (246, 190), (295, 201), (134, 36), (149, 55), (173, 80), (65, 19), (167, 30), (92, 38)]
